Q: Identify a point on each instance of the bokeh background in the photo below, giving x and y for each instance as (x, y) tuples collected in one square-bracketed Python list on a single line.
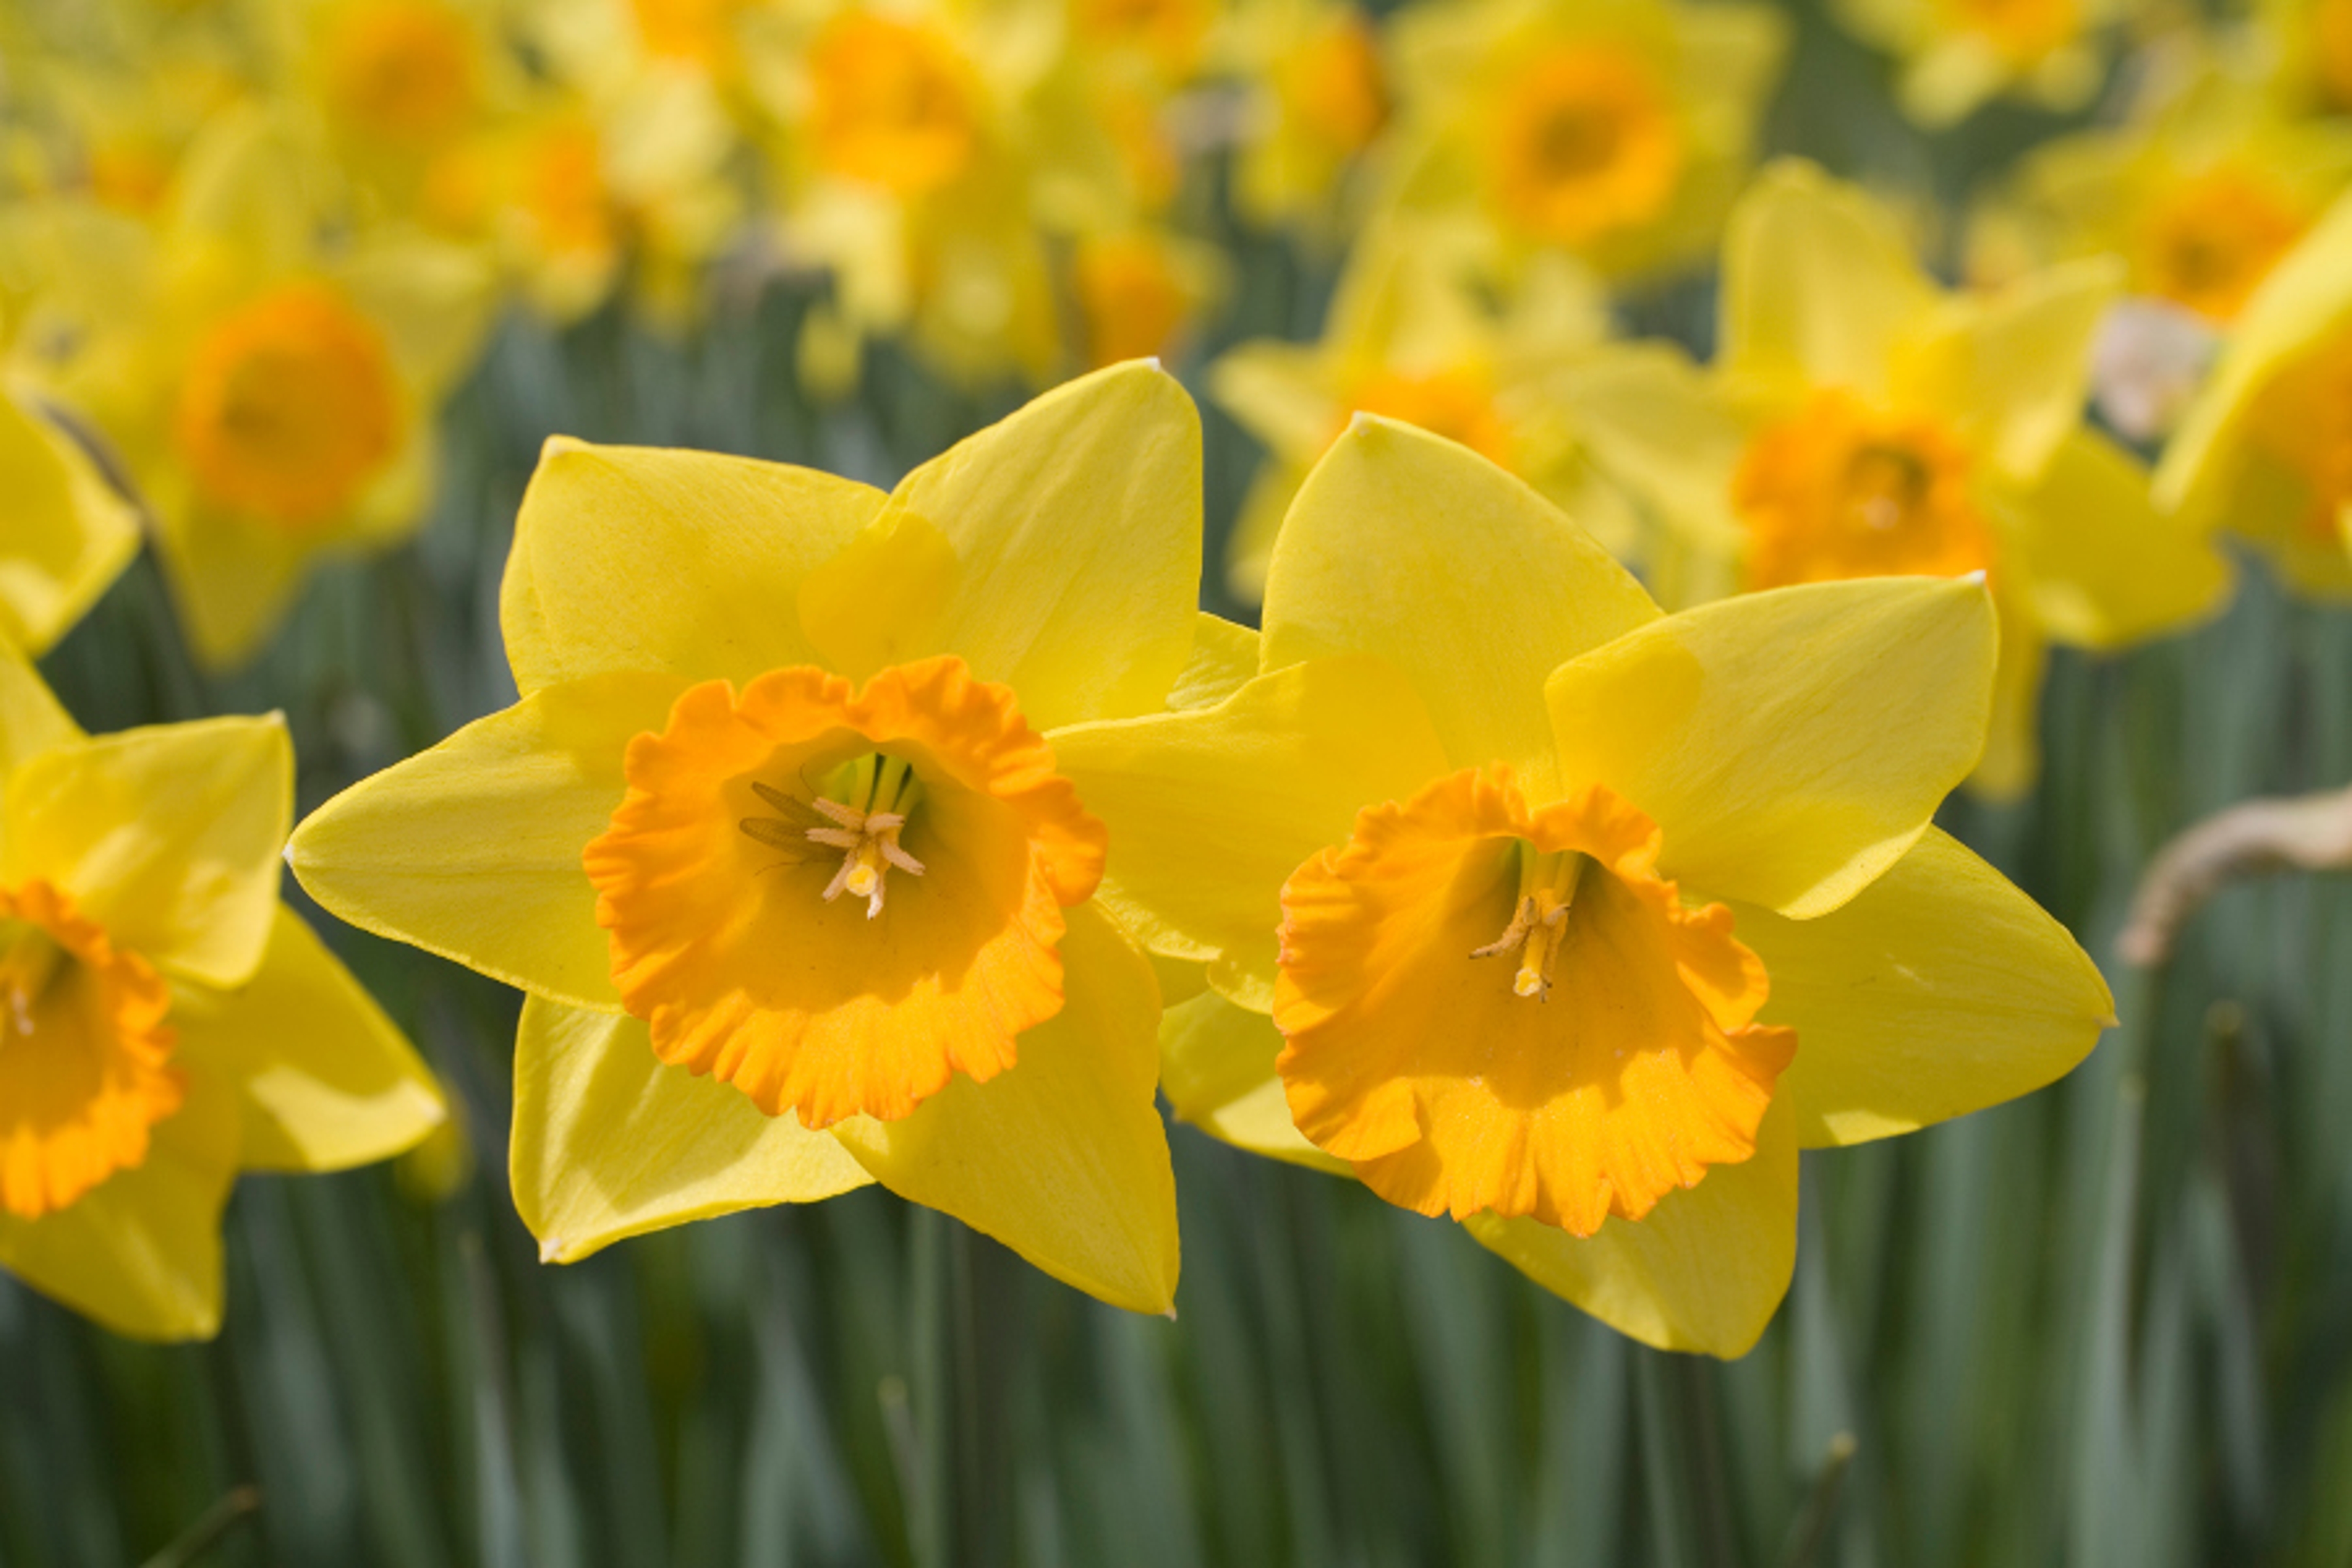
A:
[(2109, 1324)]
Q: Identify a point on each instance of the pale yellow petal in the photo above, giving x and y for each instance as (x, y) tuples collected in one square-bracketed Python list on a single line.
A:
[(326, 1082), (1790, 744), (688, 564), (610, 1143), (2012, 371), (2013, 748), (1062, 1157), (168, 836), (1941, 989), (31, 719), (1216, 1067), (1075, 527), (1211, 812), (1224, 659), (140, 1253), (1407, 547), (1704, 1271), (67, 536), (232, 582), (1818, 285), (2098, 565), (472, 849)]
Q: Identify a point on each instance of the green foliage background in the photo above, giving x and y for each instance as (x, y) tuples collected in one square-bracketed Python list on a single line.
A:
[(2108, 1325)]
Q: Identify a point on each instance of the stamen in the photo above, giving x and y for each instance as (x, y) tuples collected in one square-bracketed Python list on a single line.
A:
[(866, 835), (1547, 885)]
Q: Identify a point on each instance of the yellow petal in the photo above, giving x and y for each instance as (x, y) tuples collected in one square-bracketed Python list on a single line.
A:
[(68, 533), (2097, 565), (168, 836), (611, 1143), (2306, 300), (31, 721), (1818, 284), (325, 1080), (1216, 1067), (1225, 657), (1064, 1157), (1519, 589), (2013, 748), (471, 851), (1704, 1271), (1076, 528), (1792, 744), (1210, 812), (232, 582), (2012, 371), (142, 1252), (690, 564), (1941, 989)]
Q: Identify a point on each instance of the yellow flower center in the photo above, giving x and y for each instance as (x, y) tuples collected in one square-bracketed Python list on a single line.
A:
[(1841, 491), (85, 1056), (563, 193), (289, 408), (1456, 402), (2207, 241), (400, 70), (2303, 420), (2021, 32), (893, 104), (1129, 296), (1332, 86), (1585, 145), (835, 898), (1617, 1060), (2331, 49)]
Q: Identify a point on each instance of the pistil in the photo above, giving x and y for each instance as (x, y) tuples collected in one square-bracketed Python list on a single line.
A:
[(864, 826), (1547, 884)]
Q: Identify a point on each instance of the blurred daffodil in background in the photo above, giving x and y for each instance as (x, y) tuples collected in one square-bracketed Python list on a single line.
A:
[(2264, 450), (1860, 421), (777, 844), (167, 1022), (1588, 918), (1618, 133), (1413, 335), (270, 399), (1958, 54)]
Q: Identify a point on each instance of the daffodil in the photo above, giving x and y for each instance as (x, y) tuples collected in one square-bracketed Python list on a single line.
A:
[(271, 399), (777, 842), (1529, 906), (1413, 335), (904, 162), (2307, 46), (1861, 421), (2266, 448), (2201, 193), (1958, 54), (1316, 95), (165, 1022), (1618, 132)]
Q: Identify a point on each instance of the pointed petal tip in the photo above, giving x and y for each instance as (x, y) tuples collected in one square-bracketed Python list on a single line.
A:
[(551, 1249)]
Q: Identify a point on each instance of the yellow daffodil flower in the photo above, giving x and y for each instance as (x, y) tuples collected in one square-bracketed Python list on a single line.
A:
[(777, 843), (1412, 335), (1140, 292), (2201, 193), (1529, 906), (1861, 421), (270, 400), (2266, 448), (904, 166), (1958, 54), (1619, 132), (1316, 96), (165, 1022), (2307, 46)]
